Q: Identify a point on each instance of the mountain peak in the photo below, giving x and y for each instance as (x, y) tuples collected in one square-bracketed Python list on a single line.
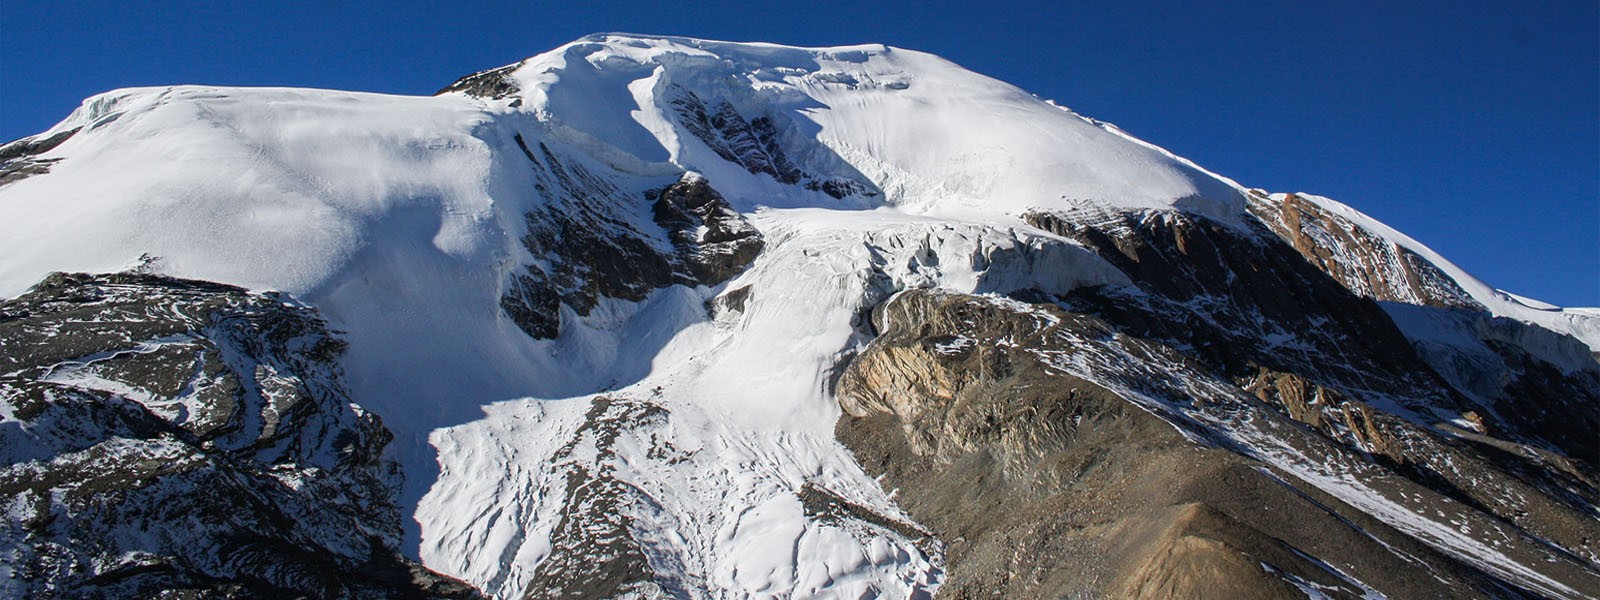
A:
[(660, 316), (928, 135)]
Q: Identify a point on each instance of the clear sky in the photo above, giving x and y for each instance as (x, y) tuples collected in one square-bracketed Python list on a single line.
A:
[(1473, 126)]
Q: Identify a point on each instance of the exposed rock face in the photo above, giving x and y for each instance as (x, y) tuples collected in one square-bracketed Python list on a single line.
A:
[(1364, 262), (1547, 384), (1237, 299), (20, 159), (754, 144), (189, 439), (594, 554), (1330, 413), (1544, 402), (493, 84), (1059, 456), (712, 242), (1241, 301), (591, 248)]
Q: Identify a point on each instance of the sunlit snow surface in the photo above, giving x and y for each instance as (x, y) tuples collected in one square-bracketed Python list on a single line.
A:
[(399, 218)]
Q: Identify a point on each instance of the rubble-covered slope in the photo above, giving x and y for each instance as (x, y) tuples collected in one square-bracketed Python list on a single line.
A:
[(1234, 423), (1048, 484)]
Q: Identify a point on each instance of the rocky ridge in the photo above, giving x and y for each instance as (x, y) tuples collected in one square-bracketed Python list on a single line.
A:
[(172, 438)]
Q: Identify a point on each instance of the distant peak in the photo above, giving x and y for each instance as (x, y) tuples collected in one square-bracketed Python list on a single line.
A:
[(710, 44)]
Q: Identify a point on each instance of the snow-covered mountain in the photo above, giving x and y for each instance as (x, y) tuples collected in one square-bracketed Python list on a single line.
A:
[(652, 316)]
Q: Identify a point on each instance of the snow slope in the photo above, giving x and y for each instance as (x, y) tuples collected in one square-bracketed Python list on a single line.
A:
[(934, 137), (399, 218)]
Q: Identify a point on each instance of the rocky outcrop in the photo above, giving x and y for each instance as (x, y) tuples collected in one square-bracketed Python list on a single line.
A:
[(1328, 412), (712, 242), (753, 143), (1541, 388), (1243, 302), (591, 246), (1544, 492), (1235, 297), (190, 439), (1057, 455), (21, 159), (1361, 260), (492, 84), (593, 552)]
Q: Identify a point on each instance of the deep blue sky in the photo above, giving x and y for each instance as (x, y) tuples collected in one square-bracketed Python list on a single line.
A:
[(1474, 126)]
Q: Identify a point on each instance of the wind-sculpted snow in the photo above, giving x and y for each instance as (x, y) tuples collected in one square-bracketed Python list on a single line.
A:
[(602, 297), (898, 127)]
